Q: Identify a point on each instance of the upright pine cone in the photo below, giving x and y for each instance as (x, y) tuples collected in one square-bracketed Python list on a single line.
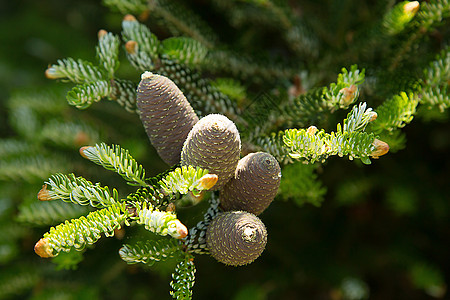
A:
[(236, 238), (166, 114), (213, 144), (254, 185)]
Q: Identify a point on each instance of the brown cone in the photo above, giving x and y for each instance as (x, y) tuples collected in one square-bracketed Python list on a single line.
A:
[(166, 115), (213, 144), (254, 185), (236, 238)]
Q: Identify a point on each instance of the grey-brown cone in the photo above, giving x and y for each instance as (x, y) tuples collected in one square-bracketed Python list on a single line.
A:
[(213, 144), (166, 115), (236, 238), (254, 185)]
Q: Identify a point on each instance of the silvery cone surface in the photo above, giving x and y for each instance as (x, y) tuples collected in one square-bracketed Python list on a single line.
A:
[(214, 144), (236, 238), (254, 185), (166, 115)]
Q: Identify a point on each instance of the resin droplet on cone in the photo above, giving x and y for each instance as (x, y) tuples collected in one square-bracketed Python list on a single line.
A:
[(213, 144), (236, 238), (254, 185), (166, 115)]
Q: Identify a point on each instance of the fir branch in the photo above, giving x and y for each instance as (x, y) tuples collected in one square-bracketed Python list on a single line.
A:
[(108, 52), (301, 185), (399, 17), (187, 179), (150, 251), (16, 281), (31, 168), (160, 222), (124, 93), (274, 145), (183, 279), (358, 118), (82, 96), (195, 241), (438, 71), (11, 231), (204, 97), (395, 113), (314, 145), (69, 134), (83, 231), (150, 194), (432, 13), (24, 122), (185, 50), (180, 20), (78, 71), (147, 43), (434, 96), (116, 159), (69, 188), (345, 91), (15, 148), (127, 6), (49, 213)]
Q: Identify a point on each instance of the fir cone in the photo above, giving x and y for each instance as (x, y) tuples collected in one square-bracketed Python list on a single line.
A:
[(236, 238), (166, 115), (213, 144), (254, 185)]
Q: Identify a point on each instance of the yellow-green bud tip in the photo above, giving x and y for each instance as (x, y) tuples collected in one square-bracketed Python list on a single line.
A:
[(208, 181), (129, 18), (43, 249), (411, 7), (181, 230), (349, 94), (312, 130), (82, 149), (101, 33), (50, 73), (381, 148)]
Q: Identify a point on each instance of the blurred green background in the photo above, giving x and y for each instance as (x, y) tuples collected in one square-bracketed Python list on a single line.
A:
[(382, 231)]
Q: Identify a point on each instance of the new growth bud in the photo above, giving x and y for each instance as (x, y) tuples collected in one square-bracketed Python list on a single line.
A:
[(349, 94), (411, 7), (51, 73), (381, 148), (43, 248), (101, 33), (131, 47), (43, 194), (312, 130), (373, 116), (129, 18), (208, 181), (82, 149), (180, 230)]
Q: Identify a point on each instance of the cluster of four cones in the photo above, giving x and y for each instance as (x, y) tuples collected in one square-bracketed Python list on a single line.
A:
[(247, 185)]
